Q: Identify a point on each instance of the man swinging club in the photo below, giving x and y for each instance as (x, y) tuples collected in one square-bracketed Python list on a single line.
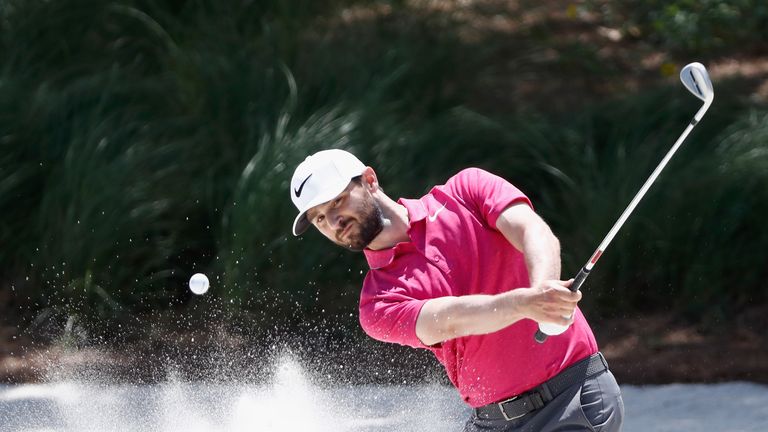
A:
[(467, 271)]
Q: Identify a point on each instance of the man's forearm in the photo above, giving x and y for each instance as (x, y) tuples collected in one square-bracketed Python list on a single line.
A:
[(447, 318), (528, 233), (542, 254)]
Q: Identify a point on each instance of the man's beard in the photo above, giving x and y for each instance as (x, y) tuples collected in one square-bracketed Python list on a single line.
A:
[(370, 225)]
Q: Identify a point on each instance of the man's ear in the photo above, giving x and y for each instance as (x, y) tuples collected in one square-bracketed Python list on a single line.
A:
[(370, 181)]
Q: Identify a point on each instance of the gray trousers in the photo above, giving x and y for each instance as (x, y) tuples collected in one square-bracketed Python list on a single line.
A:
[(594, 405)]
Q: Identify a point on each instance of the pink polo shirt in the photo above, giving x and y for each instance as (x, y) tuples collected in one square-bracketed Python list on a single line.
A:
[(456, 250)]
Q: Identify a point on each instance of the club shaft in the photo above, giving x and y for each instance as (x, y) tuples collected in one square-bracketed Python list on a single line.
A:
[(540, 336), (636, 200)]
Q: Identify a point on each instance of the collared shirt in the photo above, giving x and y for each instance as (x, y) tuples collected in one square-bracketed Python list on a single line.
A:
[(455, 250)]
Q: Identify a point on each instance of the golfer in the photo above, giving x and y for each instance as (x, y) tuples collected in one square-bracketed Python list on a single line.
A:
[(467, 271)]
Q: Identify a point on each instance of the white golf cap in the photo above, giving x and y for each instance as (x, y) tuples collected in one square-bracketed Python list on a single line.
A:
[(319, 179)]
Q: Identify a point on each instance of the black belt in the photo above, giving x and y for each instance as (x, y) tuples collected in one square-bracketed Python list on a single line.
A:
[(536, 398)]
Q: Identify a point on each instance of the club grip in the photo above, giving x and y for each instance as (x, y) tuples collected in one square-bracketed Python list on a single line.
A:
[(578, 281)]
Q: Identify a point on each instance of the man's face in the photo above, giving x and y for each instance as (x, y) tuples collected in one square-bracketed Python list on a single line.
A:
[(351, 220)]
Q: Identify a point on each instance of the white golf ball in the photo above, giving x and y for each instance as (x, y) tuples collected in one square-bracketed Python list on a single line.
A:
[(198, 283)]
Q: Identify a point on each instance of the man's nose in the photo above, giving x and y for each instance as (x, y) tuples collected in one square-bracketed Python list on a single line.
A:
[(336, 220)]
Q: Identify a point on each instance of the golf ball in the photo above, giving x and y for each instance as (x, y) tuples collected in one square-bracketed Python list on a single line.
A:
[(198, 283)]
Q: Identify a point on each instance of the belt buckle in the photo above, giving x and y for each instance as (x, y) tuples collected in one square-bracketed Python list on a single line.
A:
[(504, 413)]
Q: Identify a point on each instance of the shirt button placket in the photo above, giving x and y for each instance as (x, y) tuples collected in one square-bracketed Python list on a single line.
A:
[(434, 257)]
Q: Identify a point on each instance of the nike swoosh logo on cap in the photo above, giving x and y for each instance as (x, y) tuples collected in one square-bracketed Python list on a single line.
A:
[(301, 186), (433, 217)]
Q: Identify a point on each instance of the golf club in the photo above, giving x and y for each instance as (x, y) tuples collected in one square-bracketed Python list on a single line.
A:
[(696, 79)]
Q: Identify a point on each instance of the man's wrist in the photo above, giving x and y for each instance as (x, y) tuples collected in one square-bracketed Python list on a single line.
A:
[(510, 303)]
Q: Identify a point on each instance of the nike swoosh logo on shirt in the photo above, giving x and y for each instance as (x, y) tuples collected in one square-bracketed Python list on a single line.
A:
[(301, 186), (433, 217)]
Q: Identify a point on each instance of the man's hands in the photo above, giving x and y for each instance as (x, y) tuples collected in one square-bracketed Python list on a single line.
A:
[(549, 302)]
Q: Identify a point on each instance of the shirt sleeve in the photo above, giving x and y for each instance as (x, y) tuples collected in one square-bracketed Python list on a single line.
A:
[(486, 194), (389, 314)]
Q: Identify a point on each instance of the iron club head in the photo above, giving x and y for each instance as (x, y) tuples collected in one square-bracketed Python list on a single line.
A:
[(696, 79)]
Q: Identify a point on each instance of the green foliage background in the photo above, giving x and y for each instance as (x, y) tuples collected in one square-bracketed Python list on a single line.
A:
[(685, 26), (144, 141)]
